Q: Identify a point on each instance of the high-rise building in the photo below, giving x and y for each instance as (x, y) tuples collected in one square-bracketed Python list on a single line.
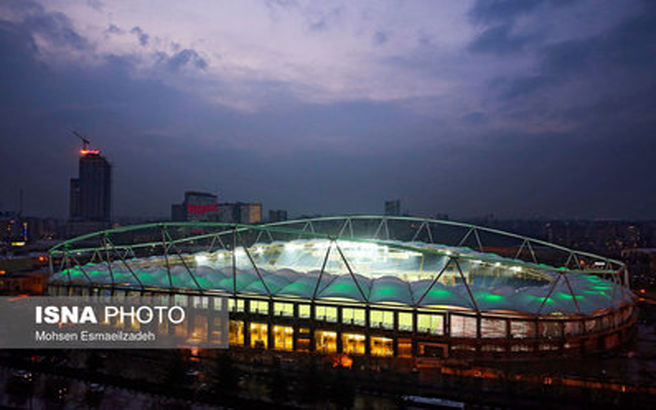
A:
[(277, 215), (197, 206), (240, 212), (91, 192), (393, 208)]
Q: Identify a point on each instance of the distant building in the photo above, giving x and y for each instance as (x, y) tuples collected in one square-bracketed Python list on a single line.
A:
[(197, 206), (90, 205), (91, 192), (277, 215), (393, 208), (240, 212)]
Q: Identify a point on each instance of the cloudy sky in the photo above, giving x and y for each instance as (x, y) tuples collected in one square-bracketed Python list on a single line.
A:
[(520, 108)]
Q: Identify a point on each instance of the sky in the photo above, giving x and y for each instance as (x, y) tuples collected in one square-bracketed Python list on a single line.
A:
[(517, 108)]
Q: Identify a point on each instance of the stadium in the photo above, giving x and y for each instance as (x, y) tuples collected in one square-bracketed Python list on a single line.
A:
[(364, 285)]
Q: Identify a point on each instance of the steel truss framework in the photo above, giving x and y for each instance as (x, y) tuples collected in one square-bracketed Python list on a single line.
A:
[(174, 241)]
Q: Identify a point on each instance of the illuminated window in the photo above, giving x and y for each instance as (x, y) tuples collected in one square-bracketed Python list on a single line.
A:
[(234, 305), (404, 347), (521, 329), (433, 324), (493, 328), (180, 300), (283, 309), (259, 335), (327, 313), (493, 348), (382, 346), (283, 337), (259, 306), (381, 318), (217, 335), (353, 343), (200, 302), (304, 311), (405, 321), (549, 329), (573, 328), (303, 340), (325, 341), (199, 330), (353, 316), (463, 326)]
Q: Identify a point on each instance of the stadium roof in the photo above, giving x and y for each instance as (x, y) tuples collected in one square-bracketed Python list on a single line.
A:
[(413, 272)]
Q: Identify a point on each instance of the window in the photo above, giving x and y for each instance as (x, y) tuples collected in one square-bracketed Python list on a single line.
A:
[(353, 343), (353, 316), (430, 324), (304, 311), (259, 306), (382, 346), (405, 321), (463, 326), (382, 319), (283, 309), (234, 305), (327, 313), (521, 329), (200, 302), (180, 300), (325, 341), (259, 335), (283, 337), (493, 328)]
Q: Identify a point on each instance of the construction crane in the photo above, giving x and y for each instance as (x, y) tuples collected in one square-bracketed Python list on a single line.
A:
[(85, 145), (85, 141)]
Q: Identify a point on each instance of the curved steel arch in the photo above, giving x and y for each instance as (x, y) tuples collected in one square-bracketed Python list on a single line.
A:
[(68, 249)]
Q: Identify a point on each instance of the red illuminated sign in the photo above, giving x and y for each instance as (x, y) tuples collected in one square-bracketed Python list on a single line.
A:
[(202, 209), (89, 151)]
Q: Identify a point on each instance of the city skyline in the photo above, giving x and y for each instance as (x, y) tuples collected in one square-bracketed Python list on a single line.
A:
[(520, 109)]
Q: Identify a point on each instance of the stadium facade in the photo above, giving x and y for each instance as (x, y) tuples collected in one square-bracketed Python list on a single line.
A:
[(364, 285)]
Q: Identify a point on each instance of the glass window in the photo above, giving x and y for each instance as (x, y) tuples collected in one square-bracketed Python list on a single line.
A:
[(283, 309), (405, 321), (549, 329), (430, 324), (200, 302), (404, 347), (234, 305), (259, 335), (382, 319), (327, 313), (573, 328), (180, 300), (493, 328), (259, 306), (353, 316), (283, 337), (304, 311), (325, 341), (382, 346), (521, 329), (353, 343), (463, 326)]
